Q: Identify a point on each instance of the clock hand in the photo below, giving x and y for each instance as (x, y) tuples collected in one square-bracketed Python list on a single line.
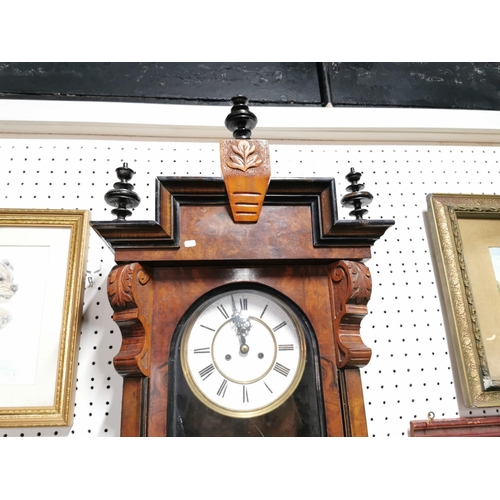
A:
[(244, 347), (242, 325), (235, 311)]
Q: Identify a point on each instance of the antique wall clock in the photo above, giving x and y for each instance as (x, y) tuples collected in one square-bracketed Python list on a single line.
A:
[(240, 305)]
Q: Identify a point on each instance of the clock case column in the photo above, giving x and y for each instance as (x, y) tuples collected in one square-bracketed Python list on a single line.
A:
[(298, 233)]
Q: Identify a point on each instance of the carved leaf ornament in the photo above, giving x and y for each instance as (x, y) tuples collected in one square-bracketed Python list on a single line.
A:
[(244, 157), (120, 286)]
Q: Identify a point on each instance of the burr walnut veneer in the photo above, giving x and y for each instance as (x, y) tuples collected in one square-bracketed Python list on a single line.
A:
[(298, 250)]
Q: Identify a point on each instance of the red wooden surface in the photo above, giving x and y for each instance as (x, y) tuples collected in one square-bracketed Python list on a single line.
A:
[(455, 427)]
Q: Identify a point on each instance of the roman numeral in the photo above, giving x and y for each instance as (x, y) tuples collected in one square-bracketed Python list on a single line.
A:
[(222, 389), (223, 311), (269, 389), (283, 370), (208, 328), (285, 347), (264, 311), (243, 304), (245, 394), (207, 371), (202, 350), (277, 327)]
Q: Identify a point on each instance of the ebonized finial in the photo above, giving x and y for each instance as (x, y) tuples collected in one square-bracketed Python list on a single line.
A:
[(241, 121), (122, 195), (356, 198)]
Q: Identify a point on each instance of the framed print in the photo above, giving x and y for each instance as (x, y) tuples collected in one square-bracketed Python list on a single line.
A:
[(42, 270), (466, 235)]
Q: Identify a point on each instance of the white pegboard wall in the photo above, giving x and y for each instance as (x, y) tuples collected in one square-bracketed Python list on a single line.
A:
[(410, 373)]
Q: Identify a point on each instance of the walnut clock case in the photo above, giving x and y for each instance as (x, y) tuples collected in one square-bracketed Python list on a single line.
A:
[(240, 305)]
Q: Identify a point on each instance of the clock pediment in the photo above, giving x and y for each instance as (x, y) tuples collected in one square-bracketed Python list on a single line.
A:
[(299, 221)]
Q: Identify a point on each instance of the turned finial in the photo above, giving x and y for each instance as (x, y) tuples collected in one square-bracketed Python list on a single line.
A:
[(240, 121), (122, 196), (356, 198)]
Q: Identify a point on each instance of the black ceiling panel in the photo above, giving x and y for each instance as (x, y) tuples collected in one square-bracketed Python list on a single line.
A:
[(418, 85), (196, 83)]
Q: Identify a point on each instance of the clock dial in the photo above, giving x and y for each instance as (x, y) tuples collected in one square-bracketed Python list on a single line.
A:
[(243, 352)]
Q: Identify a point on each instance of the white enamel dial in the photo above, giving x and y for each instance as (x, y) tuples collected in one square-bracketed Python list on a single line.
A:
[(243, 352)]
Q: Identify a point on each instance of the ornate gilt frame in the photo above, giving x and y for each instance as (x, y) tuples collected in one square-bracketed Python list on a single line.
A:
[(461, 295), (63, 236)]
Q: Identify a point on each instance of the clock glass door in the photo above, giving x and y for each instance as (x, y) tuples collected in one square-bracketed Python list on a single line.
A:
[(245, 363)]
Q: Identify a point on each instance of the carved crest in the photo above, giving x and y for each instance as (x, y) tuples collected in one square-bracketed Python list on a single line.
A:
[(246, 171), (244, 156)]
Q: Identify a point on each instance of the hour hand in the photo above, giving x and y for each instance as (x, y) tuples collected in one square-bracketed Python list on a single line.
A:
[(244, 348), (242, 325)]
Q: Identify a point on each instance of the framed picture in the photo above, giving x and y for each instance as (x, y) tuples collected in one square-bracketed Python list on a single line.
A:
[(42, 271), (466, 236)]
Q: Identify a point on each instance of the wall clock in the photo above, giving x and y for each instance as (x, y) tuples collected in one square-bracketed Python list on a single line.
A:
[(240, 305)]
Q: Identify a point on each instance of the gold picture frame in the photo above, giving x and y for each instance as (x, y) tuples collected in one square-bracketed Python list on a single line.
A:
[(466, 235), (42, 270)]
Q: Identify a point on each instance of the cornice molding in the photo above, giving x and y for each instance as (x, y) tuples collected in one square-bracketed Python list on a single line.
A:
[(187, 122)]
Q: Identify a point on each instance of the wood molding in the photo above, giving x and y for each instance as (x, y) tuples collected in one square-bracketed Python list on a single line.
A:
[(455, 427), (161, 239), (112, 120)]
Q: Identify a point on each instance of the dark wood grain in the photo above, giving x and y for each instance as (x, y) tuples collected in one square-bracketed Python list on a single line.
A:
[(354, 406), (133, 399), (306, 286), (300, 211)]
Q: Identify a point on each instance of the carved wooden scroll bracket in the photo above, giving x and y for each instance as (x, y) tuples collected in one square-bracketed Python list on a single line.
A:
[(350, 291), (129, 292)]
